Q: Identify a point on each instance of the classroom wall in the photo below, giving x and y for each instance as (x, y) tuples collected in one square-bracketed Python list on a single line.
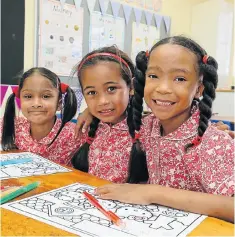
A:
[(30, 40), (202, 23), (179, 11)]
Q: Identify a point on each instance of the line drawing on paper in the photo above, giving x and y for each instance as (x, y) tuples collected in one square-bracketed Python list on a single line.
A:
[(68, 209), (39, 166)]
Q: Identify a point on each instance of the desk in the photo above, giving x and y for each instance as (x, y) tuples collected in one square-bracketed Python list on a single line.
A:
[(13, 224)]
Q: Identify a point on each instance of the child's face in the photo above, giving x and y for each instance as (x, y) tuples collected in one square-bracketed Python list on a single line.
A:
[(105, 91), (39, 99), (172, 82)]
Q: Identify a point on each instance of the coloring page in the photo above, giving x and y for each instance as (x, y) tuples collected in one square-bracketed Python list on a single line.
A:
[(38, 166), (68, 209)]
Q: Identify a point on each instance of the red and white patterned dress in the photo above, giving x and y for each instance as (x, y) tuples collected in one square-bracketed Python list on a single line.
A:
[(208, 167), (61, 150), (109, 153)]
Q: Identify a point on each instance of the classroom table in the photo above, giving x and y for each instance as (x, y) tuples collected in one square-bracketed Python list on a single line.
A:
[(14, 224)]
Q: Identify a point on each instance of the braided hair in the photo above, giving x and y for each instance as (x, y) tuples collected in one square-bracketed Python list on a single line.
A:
[(206, 67), (109, 54), (69, 108)]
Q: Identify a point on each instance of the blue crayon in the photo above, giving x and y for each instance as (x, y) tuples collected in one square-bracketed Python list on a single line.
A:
[(15, 161)]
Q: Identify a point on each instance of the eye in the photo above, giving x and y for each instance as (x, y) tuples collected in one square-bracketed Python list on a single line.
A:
[(91, 93), (152, 76), (46, 96), (180, 79), (111, 89), (27, 96)]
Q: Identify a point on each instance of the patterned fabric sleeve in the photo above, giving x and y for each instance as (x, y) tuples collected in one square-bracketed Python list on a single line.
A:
[(66, 145), (217, 162)]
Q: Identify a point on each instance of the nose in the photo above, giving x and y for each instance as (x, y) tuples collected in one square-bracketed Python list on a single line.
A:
[(37, 103), (164, 86), (103, 100)]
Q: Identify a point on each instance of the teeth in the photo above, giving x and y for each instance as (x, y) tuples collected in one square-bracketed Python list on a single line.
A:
[(106, 111), (163, 103)]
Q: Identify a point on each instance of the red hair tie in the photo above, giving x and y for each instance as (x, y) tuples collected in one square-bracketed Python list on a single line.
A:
[(147, 53), (197, 140), (63, 87), (205, 58), (16, 91), (89, 140), (137, 136)]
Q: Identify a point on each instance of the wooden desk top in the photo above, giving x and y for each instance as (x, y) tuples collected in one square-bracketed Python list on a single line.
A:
[(14, 224)]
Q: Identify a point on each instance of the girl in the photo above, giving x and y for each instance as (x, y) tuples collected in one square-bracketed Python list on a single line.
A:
[(40, 92), (190, 162), (105, 76)]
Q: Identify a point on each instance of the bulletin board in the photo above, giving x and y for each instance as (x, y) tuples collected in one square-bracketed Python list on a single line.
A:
[(103, 31), (69, 29), (60, 36), (143, 38)]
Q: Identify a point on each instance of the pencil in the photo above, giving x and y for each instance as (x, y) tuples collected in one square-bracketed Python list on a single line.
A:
[(19, 192)]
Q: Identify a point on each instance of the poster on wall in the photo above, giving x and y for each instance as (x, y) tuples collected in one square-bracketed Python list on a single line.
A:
[(60, 36), (105, 30), (143, 38)]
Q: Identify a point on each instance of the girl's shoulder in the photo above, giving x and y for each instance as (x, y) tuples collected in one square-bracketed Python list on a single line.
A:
[(215, 141), (69, 127), (20, 120), (21, 124), (149, 121), (214, 134)]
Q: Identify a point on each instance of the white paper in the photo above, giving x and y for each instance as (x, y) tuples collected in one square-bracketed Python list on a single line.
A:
[(103, 31), (143, 38), (60, 36), (39, 166), (68, 209)]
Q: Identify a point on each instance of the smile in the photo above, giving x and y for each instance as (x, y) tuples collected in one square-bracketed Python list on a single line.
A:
[(163, 103), (36, 112), (106, 112)]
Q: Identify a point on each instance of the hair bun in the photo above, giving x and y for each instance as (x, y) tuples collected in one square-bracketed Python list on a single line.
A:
[(212, 62), (141, 61)]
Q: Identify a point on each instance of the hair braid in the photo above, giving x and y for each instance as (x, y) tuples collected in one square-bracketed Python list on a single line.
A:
[(138, 165), (139, 84), (210, 80), (80, 158)]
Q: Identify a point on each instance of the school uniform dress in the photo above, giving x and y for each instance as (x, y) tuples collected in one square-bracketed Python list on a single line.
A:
[(109, 153), (61, 150), (208, 167)]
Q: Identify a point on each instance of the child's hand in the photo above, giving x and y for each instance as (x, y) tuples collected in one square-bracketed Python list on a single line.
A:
[(128, 193), (224, 127), (221, 126), (83, 122)]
